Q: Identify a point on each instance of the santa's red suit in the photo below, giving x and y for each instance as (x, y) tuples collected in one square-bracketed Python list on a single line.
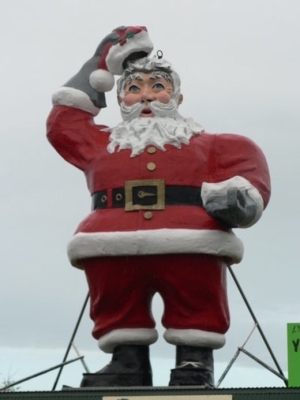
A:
[(149, 231)]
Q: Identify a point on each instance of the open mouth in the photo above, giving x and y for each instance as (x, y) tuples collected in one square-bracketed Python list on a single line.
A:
[(147, 112)]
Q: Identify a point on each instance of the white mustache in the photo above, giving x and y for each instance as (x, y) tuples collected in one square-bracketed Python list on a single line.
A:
[(162, 109), (130, 112), (159, 109)]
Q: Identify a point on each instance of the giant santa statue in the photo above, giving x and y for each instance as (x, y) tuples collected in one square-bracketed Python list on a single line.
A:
[(165, 197)]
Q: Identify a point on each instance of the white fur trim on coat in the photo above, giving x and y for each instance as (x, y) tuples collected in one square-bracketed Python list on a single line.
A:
[(66, 96), (156, 241), (117, 53), (138, 336), (220, 189), (194, 337)]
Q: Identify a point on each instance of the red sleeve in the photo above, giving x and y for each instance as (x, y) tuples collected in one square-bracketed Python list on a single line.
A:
[(73, 134), (236, 155)]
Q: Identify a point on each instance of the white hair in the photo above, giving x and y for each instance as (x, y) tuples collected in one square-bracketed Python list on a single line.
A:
[(147, 65)]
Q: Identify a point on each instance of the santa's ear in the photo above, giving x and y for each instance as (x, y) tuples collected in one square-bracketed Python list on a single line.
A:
[(180, 99)]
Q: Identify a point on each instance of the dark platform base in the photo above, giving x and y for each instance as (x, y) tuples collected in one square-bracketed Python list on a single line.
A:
[(165, 393), (162, 393)]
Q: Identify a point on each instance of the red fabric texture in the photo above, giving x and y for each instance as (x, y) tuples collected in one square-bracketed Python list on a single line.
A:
[(208, 158), (193, 288)]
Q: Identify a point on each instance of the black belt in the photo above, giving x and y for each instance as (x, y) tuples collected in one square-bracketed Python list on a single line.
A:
[(151, 194)]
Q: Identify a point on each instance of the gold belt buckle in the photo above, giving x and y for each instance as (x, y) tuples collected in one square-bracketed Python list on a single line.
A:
[(131, 205)]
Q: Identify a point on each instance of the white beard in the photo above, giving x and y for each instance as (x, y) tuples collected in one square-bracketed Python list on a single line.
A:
[(166, 127)]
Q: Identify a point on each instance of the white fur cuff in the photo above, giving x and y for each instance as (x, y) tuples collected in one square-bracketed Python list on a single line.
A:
[(138, 336), (66, 96), (194, 337)]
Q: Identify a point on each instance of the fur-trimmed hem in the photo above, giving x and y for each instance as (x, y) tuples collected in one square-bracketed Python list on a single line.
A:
[(194, 337), (138, 336), (156, 241)]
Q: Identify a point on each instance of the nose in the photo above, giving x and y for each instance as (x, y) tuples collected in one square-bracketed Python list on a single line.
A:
[(147, 95)]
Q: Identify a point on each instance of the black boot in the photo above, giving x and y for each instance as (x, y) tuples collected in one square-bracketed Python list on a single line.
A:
[(194, 367), (130, 366)]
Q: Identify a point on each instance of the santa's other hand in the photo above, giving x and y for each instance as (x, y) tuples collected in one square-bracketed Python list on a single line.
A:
[(236, 208)]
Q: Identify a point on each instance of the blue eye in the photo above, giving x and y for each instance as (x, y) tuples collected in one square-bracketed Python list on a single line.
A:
[(133, 88), (158, 85)]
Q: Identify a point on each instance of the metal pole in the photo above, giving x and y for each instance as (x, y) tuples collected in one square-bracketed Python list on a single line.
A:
[(263, 364), (82, 360), (39, 373), (257, 323), (71, 340), (234, 358), (228, 368)]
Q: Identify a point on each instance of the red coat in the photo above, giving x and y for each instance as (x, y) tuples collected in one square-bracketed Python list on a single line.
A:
[(209, 158)]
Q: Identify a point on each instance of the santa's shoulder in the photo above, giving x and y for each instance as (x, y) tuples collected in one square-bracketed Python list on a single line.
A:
[(227, 140)]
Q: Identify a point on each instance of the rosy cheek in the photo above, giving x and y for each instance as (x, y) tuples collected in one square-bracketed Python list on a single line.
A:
[(130, 99), (164, 97)]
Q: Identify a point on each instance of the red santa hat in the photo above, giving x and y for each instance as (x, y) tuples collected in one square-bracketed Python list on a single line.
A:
[(123, 44)]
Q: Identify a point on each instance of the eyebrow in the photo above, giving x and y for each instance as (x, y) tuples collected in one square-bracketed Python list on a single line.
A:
[(154, 75), (161, 75), (133, 77)]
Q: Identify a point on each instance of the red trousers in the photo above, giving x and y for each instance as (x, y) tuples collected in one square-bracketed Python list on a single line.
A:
[(192, 286)]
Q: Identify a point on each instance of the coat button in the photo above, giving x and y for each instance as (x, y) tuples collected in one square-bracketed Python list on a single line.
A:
[(151, 150), (148, 215), (151, 166)]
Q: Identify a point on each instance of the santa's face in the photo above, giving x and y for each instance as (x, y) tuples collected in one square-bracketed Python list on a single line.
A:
[(142, 88), (149, 108)]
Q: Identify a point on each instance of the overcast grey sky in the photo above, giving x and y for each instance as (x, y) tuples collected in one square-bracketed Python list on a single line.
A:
[(239, 63)]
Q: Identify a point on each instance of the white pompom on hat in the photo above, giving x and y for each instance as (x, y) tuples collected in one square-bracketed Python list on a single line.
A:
[(102, 80)]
